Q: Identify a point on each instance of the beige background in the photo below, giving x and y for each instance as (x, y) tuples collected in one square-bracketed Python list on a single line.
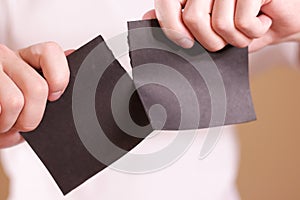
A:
[(4, 184), (270, 146)]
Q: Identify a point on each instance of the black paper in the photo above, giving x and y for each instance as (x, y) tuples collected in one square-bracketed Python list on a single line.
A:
[(149, 46), (57, 141)]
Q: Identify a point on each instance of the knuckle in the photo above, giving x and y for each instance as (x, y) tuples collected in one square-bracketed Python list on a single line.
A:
[(40, 88), (49, 47), (221, 26), (192, 19), (242, 23), (14, 103)]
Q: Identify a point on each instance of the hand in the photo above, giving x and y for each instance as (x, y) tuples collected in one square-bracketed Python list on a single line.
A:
[(214, 24), (286, 23), (24, 92)]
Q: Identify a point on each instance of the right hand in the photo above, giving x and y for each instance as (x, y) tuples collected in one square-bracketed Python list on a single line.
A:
[(216, 23), (213, 23), (24, 92), (285, 16)]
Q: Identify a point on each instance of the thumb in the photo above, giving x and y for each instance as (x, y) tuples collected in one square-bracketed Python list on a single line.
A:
[(261, 42), (69, 51), (150, 15)]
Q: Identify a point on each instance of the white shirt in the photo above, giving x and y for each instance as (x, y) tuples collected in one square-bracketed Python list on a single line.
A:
[(72, 23)]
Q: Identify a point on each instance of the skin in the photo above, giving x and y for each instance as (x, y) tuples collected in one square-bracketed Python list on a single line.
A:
[(216, 23), (24, 92), (213, 23)]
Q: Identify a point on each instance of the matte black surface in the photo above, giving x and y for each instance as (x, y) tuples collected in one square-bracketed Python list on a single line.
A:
[(56, 140), (149, 45)]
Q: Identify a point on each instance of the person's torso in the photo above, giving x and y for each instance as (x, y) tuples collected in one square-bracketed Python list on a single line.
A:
[(71, 23)]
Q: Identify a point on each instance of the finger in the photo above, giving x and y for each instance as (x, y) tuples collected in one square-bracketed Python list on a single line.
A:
[(223, 23), (246, 19), (69, 51), (169, 15), (197, 18), (10, 138), (12, 102), (51, 59), (150, 15), (34, 89), (261, 42)]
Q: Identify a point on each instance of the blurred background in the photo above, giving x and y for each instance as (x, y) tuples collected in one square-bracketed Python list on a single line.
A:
[(270, 146)]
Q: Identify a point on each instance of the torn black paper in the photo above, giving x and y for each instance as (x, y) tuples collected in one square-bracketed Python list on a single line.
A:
[(56, 140), (60, 140), (229, 72)]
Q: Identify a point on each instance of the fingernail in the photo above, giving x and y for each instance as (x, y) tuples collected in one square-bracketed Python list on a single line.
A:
[(0, 109), (55, 95), (186, 43)]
